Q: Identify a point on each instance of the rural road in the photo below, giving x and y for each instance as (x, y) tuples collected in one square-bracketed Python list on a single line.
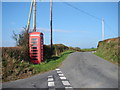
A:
[(79, 70)]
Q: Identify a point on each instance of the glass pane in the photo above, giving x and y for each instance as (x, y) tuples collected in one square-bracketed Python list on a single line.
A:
[(34, 47), (34, 59), (34, 56), (34, 42), (34, 38), (34, 53), (34, 50)]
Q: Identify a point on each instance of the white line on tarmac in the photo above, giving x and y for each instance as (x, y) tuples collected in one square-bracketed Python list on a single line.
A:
[(51, 84), (50, 76), (64, 80), (57, 69), (62, 77), (50, 79), (68, 87), (59, 72), (66, 83)]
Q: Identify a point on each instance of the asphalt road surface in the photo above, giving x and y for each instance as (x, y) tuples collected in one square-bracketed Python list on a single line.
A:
[(79, 70)]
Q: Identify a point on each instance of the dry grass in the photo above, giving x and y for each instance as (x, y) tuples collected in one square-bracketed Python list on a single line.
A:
[(109, 50)]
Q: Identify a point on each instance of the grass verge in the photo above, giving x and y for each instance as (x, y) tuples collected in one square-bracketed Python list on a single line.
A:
[(113, 60), (13, 69), (52, 63), (89, 49)]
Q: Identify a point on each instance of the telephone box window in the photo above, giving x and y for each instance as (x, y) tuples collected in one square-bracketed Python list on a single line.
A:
[(34, 53), (34, 59), (34, 50), (34, 56), (34, 47), (34, 42), (34, 39)]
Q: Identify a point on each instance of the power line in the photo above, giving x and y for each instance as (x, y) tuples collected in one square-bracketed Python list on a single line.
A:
[(89, 14), (82, 11), (108, 27)]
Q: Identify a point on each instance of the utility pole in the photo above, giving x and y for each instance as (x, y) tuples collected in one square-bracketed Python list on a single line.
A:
[(34, 17), (102, 29), (29, 17), (51, 43)]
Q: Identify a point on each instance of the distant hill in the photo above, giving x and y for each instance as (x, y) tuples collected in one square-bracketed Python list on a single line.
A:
[(109, 49)]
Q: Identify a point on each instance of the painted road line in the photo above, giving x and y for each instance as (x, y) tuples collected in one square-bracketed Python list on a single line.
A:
[(59, 72), (66, 83), (50, 79), (57, 69), (64, 80), (68, 87), (51, 84), (50, 76), (62, 77)]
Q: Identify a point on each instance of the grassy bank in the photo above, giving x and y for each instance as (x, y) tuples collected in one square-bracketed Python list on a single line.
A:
[(88, 49), (109, 50), (16, 69), (52, 63)]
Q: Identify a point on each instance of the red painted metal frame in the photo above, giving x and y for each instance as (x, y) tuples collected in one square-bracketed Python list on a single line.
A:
[(36, 47)]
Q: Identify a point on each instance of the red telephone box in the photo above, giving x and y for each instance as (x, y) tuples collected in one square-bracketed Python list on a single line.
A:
[(36, 47)]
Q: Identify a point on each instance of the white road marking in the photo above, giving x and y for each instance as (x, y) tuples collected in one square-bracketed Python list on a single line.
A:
[(68, 87), (50, 76), (66, 83), (62, 77), (50, 79), (51, 84), (59, 72), (57, 69)]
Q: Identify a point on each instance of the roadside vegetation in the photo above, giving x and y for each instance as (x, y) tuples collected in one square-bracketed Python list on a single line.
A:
[(88, 49), (15, 68), (16, 63), (52, 63), (109, 50)]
